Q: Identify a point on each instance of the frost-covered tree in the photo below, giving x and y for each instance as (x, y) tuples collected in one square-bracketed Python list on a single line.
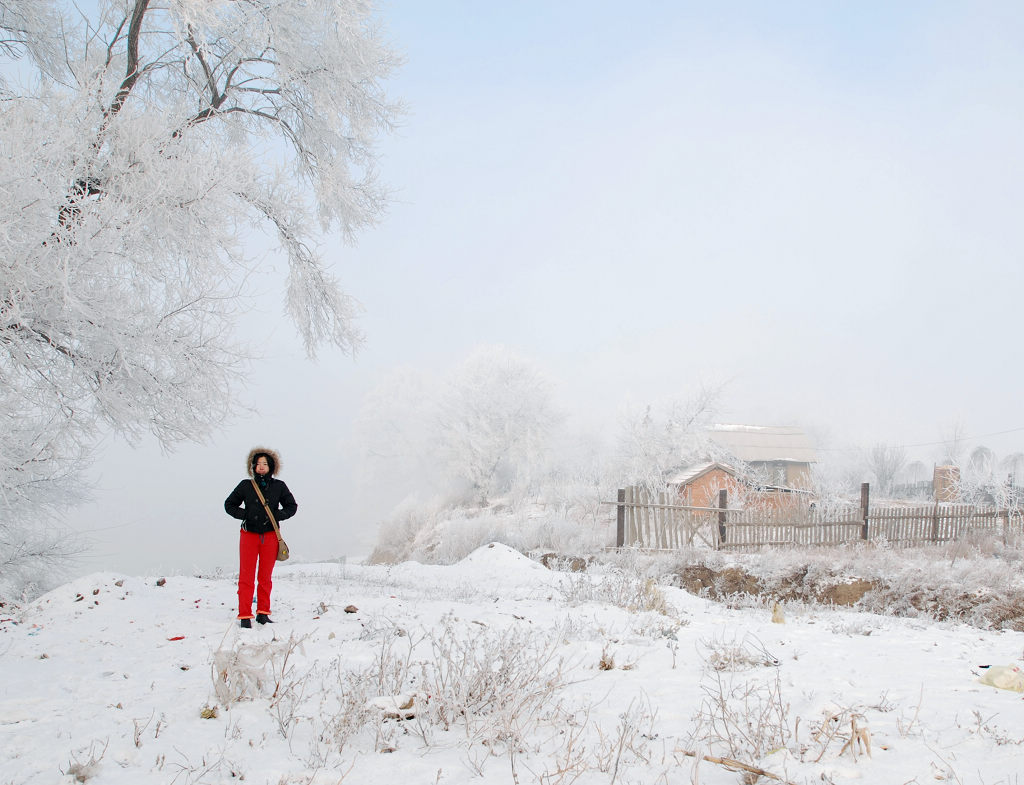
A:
[(836, 480), (660, 438), (436, 451), (484, 429), (916, 472), (884, 462), (984, 479), (141, 144), (495, 420), (981, 465), (1012, 468)]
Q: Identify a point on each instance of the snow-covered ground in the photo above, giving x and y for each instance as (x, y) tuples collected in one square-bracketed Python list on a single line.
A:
[(492, 670)]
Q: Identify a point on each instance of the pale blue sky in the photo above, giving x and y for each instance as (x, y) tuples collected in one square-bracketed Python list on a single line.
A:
[(816, 202)]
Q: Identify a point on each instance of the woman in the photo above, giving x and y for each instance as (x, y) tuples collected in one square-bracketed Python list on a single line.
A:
[(257, 544)]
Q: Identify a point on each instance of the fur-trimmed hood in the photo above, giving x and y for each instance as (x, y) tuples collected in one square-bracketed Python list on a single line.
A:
[(275, 461)]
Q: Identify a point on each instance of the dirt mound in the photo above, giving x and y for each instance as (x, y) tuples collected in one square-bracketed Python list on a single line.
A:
[(846, 594)]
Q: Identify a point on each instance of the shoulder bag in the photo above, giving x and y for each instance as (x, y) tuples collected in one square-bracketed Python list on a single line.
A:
[(282, 546)]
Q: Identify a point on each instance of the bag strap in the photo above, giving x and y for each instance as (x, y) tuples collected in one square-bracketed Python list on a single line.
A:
[(266, 507)]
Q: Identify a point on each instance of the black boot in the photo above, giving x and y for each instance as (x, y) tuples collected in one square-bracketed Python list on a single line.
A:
[(247, 623), (263, 618)]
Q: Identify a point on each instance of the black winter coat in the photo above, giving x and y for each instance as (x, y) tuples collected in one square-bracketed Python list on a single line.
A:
[(244, 504)]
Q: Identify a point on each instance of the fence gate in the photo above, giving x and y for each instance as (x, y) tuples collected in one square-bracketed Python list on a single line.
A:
[(647, 520)]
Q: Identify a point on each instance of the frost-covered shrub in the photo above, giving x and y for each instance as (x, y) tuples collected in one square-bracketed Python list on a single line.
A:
[(439, 535), (397, 534), (724, 653), (249, 670), (742, 718), (623, 589), (33, 559), (495, 684)]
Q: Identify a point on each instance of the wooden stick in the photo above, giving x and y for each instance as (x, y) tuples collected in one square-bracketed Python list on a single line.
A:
[(729, 763)]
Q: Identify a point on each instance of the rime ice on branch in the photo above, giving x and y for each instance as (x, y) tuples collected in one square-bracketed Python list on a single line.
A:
[(140, 148)]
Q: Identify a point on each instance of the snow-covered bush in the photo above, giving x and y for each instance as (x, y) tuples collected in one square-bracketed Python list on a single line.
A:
[(741, 718), (444, 535), (626, 590), (249, 670), (489, 688), (497, 685), (481, 431), (33, 560)]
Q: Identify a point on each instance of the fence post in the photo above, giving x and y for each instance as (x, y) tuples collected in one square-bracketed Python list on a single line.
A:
[(865, 497), (643, 495), (723, 498), (620, 519), (632, 525)]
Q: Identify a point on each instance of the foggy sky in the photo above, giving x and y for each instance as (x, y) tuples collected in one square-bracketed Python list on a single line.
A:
[(815, 204)]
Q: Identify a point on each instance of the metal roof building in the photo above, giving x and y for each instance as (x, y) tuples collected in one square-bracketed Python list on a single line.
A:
[(765, 443)]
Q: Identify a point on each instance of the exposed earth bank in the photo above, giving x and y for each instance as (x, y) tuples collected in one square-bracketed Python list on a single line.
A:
[(987, 609)]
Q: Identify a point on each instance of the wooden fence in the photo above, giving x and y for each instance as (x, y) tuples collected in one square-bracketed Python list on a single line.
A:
[(647, 521)]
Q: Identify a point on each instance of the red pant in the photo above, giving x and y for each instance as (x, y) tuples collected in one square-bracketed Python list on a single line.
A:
[(253, 548)]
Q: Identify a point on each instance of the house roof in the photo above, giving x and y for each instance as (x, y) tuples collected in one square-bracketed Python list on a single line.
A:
[(765, 442), (691, 473)]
